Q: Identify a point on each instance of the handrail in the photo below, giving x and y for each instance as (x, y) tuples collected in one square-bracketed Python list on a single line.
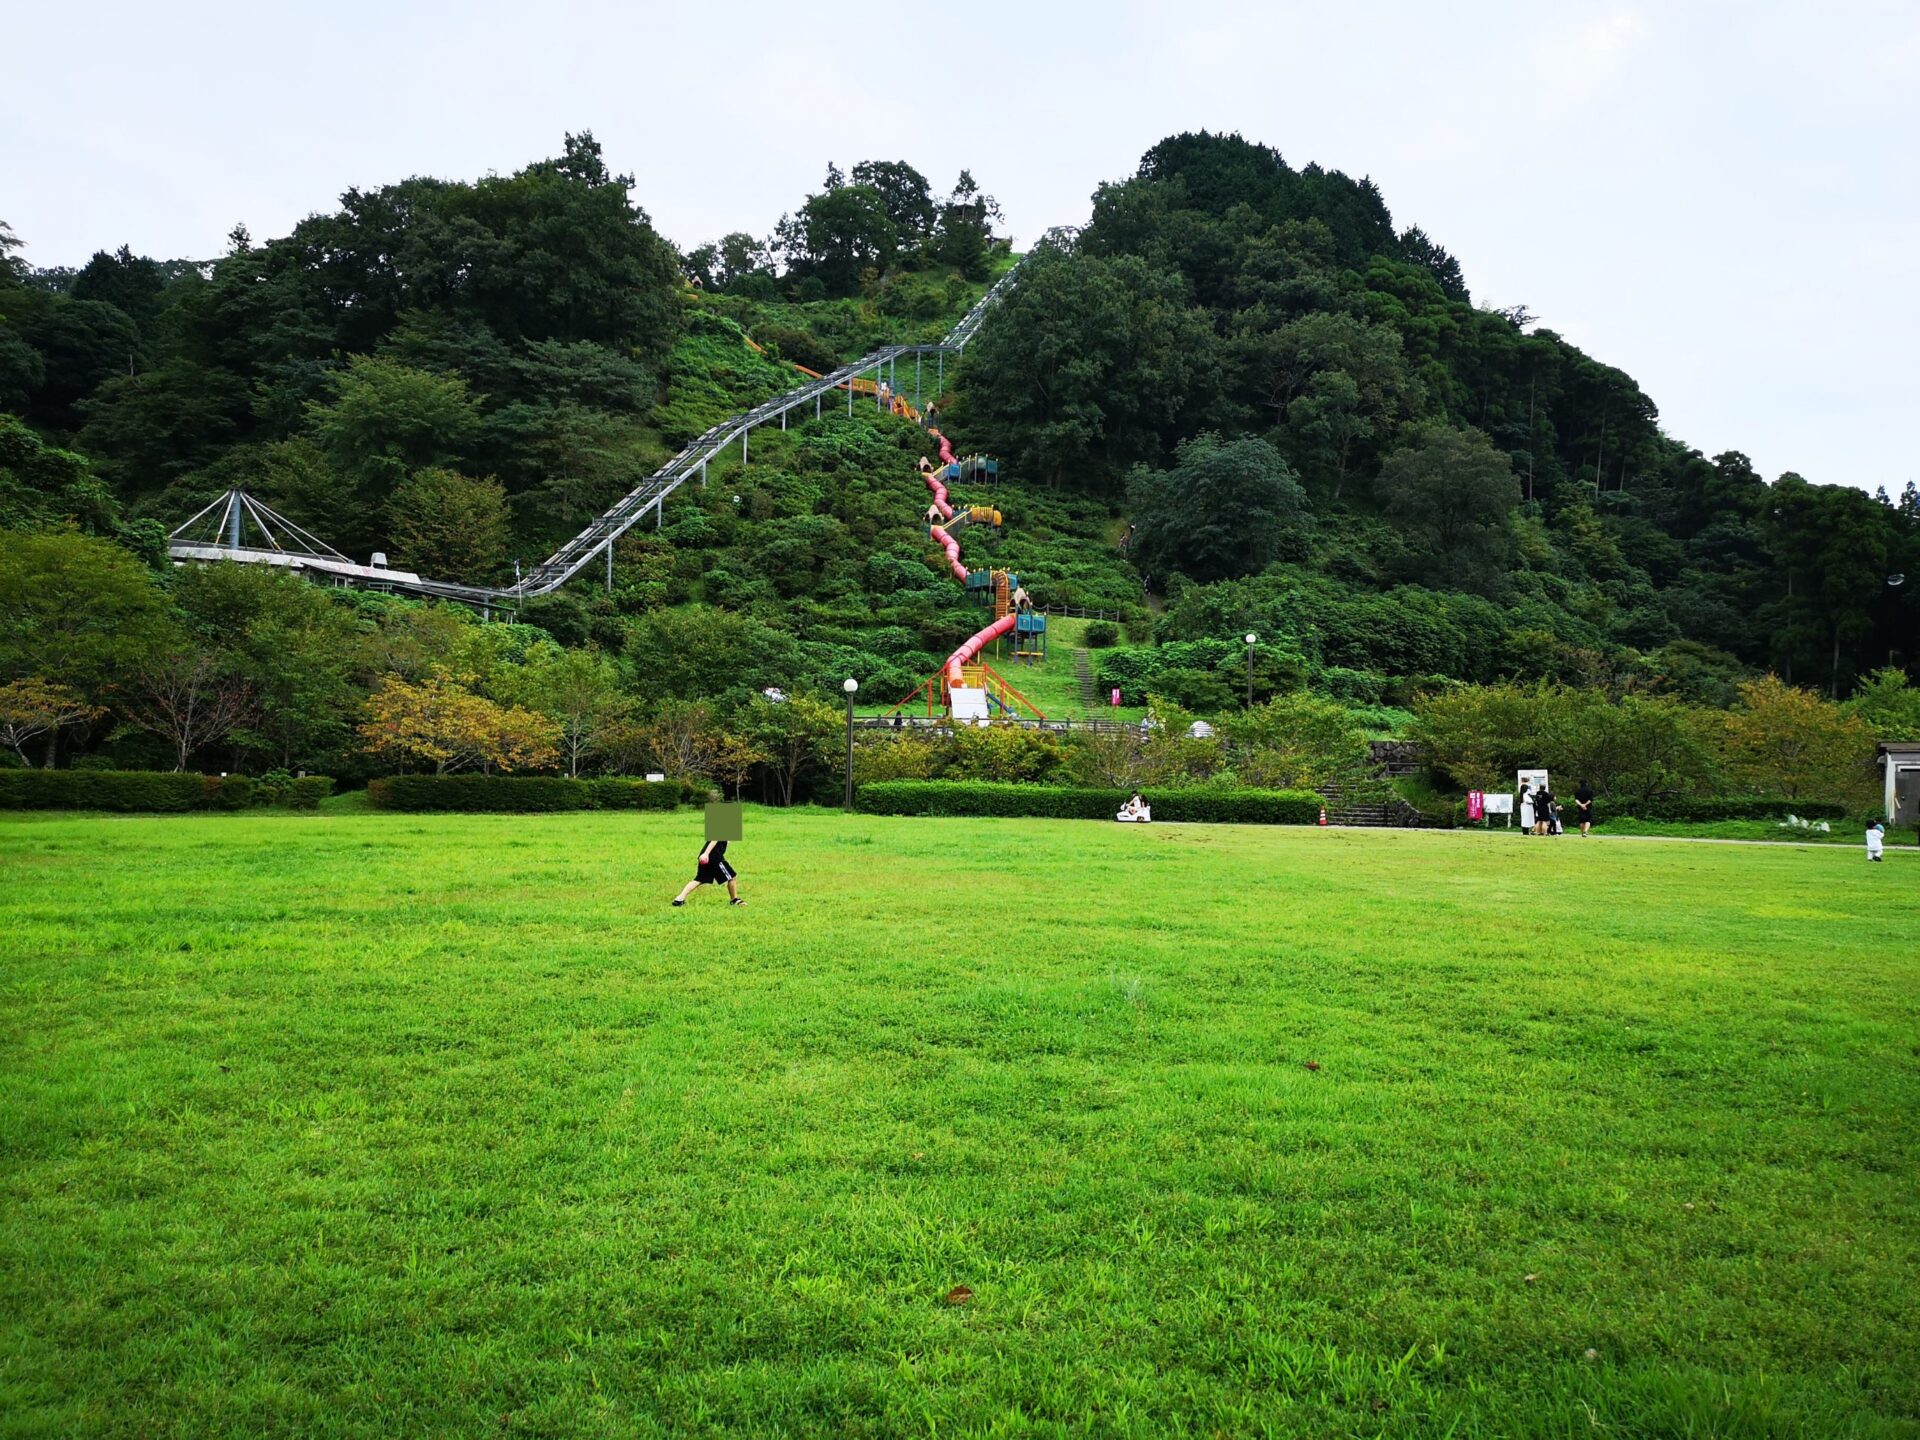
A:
[(598, 537)]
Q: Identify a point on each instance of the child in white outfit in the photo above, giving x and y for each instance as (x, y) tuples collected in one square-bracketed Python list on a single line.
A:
[(1875, 839)]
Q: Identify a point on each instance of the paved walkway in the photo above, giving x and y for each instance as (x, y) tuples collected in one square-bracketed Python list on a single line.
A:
[(1859, 845)]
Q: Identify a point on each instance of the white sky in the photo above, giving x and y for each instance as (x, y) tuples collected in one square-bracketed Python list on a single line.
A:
[(1722, 199)]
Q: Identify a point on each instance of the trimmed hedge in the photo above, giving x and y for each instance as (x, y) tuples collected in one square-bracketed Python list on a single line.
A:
[(307, 792), (125, 790), (1064, 802), (528, 794), (154, 791), (1733, 807)]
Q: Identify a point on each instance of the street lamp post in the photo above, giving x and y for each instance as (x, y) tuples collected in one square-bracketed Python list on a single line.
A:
[(850, 685), (1252, 640)]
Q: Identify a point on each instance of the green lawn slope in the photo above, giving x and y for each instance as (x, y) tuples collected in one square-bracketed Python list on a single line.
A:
[(364, 1125)]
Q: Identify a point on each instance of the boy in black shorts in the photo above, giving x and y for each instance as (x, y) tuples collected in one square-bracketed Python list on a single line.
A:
[(712, 869)]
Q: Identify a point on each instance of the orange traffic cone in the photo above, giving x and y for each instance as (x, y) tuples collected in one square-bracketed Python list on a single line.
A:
[(1323, 814)]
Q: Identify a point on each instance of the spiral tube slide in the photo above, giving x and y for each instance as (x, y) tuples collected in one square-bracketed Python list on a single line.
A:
[(974, 644)]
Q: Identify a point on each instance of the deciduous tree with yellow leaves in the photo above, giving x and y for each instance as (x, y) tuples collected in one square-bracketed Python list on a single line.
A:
[(437, 721)]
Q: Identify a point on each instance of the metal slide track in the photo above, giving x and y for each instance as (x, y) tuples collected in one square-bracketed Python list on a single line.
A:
[(597, 540)]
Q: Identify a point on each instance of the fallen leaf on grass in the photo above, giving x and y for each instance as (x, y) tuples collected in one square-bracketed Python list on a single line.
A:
[(959, 1295), (1313, 1064), (1531, 1278)]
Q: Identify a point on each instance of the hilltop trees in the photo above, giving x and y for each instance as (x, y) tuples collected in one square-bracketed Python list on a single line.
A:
[(511, 326), (853, 231), (1086, 367), (1221, 289)]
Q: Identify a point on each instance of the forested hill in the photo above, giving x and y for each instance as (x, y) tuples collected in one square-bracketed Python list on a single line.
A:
[(1239, 399), (1401, 482)]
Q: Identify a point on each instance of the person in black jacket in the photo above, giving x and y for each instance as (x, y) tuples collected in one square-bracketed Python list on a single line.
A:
[(1543, 810), (1583, 806)]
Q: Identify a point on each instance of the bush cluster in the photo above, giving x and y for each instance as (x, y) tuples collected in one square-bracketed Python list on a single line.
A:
[(151, 791), (1735, 807), (1067, 802), (527, 794)]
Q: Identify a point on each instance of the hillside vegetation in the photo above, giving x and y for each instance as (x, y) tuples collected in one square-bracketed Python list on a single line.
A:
[(1239, 400)]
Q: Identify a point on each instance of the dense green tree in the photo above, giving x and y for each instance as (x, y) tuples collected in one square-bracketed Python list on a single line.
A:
[(446, 524), (42, 486), (838, 236), (904, 195), (147, 429), (1888, 704), (132, 284), (291, 646), (1226, 508), (1085, 368), (1338, 381), (1452, 493), (81, 344), (75, 611), (384, 421)]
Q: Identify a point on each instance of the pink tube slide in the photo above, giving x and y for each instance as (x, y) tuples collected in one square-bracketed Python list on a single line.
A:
[(952, 547), (974, 645)]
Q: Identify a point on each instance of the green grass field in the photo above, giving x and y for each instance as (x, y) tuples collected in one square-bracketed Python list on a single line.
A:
[(373, 1125)]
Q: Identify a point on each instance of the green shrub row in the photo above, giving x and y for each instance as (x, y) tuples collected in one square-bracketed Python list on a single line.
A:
[(148, 790), (528, 794), (1725, 808), (1065, 802)]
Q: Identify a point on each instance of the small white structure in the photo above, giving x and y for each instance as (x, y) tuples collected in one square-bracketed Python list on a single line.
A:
[(1899, 762), (1200, 730)]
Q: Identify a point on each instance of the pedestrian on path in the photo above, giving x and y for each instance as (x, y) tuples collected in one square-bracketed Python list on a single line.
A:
[(1876, 839), (1583, 806)]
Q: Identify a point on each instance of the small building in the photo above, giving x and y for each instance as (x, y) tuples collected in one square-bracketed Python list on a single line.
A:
[(1899, 762)]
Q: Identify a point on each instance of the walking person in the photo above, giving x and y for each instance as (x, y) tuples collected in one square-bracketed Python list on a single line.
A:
[(1876, 838), (1583, 806), (1526, 810), (712, 869), (1543, 810)]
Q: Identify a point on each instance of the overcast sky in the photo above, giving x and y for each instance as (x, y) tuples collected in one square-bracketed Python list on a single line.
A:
[(1722, 199)]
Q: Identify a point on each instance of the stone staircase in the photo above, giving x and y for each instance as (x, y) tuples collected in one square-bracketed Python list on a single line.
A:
[(1083, 677), (1391, 758)]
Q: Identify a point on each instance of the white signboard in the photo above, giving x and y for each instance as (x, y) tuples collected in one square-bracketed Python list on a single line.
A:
[(1531, 779), (1498, 804)]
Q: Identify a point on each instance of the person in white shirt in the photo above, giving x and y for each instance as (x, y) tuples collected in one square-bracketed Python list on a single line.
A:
[(1876, 838)]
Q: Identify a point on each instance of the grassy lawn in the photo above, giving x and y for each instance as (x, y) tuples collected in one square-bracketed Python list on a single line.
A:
[(1841, 832), (355, 1124)]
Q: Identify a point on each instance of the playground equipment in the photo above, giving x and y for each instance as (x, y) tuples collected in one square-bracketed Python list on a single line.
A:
[(968, 688), (596, 542)]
